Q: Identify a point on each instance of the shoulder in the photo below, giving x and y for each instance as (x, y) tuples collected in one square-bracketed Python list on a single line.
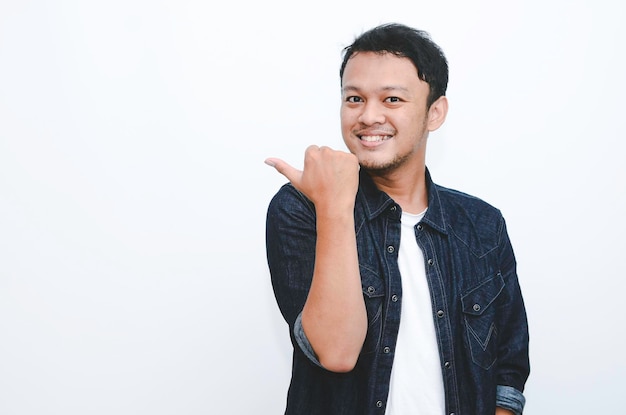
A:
[(457, 202), (288, 201), (477, 223)]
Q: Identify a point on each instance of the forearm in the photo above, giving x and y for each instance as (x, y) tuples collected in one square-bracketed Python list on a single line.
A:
[(502, 411), (334, 317)]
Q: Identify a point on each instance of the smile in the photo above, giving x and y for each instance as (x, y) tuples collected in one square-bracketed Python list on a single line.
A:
[(374, 138)]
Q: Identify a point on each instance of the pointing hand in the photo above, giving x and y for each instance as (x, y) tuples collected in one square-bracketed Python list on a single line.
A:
[(330, 178)]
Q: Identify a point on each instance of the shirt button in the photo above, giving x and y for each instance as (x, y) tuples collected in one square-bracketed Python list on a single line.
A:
[(371, 289), (430, 262), (393, 209), (420, 227), (386, 350), (379, 404), (447, 365), (394, 298), (440, 313), (476, 307), (390, 249)]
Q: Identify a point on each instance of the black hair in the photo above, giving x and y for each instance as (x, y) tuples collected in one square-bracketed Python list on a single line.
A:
[(407, 42)]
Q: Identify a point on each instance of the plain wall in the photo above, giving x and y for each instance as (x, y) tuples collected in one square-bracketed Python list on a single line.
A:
[(133, 192)]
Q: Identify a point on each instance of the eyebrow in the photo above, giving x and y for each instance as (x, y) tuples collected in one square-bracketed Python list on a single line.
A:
[(350, 88)]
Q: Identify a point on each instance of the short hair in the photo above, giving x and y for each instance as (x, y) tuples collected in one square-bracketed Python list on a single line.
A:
[(407, 42)]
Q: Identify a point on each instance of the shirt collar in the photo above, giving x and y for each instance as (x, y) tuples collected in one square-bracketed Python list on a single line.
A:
[(376, 201)]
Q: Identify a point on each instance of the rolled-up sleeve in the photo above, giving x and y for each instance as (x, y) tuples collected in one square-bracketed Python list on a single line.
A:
[(508, 397), (303, 341)]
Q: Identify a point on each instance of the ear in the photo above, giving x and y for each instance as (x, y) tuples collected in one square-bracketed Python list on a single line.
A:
[(437, 113)]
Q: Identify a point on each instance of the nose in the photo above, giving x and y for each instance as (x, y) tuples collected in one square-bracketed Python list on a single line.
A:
[(372, 113)]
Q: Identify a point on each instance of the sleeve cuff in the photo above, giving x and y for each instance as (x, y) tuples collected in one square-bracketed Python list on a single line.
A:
[(508, 397), (303, 342)]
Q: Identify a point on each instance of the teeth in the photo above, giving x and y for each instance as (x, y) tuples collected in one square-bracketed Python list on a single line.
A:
[(374, 138)]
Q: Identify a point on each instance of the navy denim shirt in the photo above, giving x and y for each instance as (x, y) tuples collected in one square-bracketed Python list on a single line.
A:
[(477, 305)]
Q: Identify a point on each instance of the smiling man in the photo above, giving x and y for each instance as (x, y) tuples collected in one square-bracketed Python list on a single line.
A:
[(401, 295)]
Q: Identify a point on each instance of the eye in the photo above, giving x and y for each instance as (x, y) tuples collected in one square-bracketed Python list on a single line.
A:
[(354, 99), (392, 99)]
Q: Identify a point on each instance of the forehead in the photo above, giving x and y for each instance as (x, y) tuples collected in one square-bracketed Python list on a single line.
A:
[(368, 68)]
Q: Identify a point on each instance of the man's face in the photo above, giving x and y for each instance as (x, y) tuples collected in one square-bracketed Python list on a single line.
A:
[(384, 120)]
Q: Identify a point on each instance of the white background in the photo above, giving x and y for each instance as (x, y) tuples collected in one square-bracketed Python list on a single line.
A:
[(133, 191)]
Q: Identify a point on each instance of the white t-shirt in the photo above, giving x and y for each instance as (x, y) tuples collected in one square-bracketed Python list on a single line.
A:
[(416, 386)]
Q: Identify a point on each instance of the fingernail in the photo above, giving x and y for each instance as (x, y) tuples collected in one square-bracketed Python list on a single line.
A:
[(270, 163)]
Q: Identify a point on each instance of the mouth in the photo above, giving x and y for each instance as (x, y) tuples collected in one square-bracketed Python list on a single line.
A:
[(374, 138)]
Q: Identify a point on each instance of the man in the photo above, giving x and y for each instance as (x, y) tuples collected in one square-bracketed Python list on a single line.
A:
[(401, 295)]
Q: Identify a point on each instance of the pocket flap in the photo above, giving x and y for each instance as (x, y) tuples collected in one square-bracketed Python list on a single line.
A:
[(372, 284), (476, 300)]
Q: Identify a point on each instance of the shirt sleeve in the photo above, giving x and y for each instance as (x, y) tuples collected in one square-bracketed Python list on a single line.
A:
[(513, 355), (510, 398), (303, 341), (290, 245)]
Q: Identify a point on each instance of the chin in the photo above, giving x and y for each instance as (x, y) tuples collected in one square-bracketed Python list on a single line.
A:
[(382, 166), (377, 167)]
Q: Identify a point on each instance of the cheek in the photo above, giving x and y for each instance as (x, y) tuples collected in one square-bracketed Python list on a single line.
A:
[(346, 120), (343, 114), (346, 135)]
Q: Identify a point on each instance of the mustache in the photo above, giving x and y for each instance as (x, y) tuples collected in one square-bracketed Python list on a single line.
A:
[(374, 131)]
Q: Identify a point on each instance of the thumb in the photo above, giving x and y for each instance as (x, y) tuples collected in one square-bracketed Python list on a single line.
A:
[(291, 173)]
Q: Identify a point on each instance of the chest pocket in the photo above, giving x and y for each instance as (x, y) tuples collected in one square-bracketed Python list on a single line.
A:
[(374, 294), (479, 314)]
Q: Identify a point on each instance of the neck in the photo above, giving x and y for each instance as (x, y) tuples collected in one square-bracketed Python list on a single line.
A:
[(407, 188)]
